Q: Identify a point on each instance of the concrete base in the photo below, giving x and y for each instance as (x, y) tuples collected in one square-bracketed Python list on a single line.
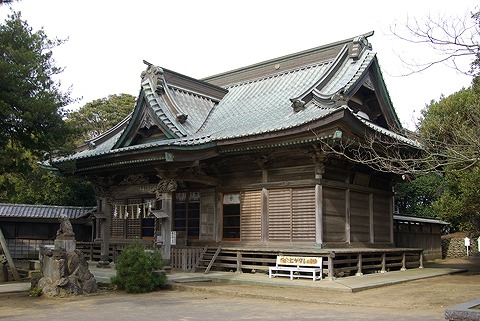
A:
[(464, 311), (103, 265)]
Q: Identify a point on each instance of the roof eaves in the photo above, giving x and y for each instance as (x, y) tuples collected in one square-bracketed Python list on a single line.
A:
[(419, 219), (44, 211), (387, 132)]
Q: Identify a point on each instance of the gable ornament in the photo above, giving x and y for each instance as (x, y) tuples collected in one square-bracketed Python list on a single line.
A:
[(101, 186)]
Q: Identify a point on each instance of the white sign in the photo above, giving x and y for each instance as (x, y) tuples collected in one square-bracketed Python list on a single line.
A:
[(174, 238), (467, 244), (467, 241)]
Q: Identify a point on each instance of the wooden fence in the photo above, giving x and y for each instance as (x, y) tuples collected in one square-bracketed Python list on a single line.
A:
[(26, 248), (186, 258)]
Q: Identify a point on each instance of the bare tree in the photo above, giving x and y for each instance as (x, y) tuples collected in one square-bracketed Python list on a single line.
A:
[(2, 2), (408, 154), (451, 38), (447, 134)]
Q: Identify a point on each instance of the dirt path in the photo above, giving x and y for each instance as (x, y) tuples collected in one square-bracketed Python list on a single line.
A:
[(420, 299)]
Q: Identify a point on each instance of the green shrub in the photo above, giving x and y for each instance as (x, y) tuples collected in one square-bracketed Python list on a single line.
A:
[(135, 269)]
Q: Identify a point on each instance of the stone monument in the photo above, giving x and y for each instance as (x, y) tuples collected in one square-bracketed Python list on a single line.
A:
[(64, 270)]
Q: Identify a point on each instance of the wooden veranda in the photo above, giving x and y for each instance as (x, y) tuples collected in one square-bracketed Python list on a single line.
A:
[(336, 262)]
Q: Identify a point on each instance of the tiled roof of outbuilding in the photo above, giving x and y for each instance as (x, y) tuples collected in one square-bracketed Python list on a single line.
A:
[(44, 211)]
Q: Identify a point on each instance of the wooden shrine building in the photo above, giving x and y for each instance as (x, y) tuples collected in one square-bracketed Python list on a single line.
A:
[(236, 162)]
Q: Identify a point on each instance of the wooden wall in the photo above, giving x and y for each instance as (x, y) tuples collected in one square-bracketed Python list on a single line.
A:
[(291, 214), (279, 203), (251, 216), (419, 235), (359, 217)]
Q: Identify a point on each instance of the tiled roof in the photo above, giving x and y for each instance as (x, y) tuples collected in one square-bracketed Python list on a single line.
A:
[(263, 105), (44, 211), (417, 219), (389, 133), (258, 101)]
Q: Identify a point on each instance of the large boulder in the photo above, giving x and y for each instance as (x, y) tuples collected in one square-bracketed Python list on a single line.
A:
[(64, 274)]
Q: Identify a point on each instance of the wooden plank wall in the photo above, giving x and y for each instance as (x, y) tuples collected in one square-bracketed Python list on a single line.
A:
[(381, 218), (207, 214), (279, 215), (419, 235), (291, 214), (359, 217), (251, 216), (303, 207), (333, 215)]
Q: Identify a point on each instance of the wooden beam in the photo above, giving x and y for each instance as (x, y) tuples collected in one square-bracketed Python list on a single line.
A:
[(359, 265), (3, 242), (239, 262), (347, 217), (197, 178), (371, 221), (319, 214), (264, 215)]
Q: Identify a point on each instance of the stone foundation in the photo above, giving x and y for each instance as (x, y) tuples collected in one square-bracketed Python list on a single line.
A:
[(455, 247)]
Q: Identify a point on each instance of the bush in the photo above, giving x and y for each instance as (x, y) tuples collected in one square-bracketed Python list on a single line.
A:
[(135, 269)]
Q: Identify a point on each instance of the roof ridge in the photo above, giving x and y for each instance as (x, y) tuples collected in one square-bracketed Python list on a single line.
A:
[(287, 57), (280, 73)]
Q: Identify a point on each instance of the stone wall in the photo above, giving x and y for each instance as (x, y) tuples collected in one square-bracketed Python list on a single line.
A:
[(455, 247)]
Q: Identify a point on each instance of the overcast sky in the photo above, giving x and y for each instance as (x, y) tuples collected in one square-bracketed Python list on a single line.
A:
[(109, 39)]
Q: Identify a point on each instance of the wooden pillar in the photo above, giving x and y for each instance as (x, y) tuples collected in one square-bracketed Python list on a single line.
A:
[(359, 265), (239, 262), (218, 217), (370, 209), (331, 258), (384, 257), (347, 217), (164, 193), (101, 186), (264, 215), (319, 214), (404, 267), (166, 223), (104, 205), (318, 158), (392, 239)]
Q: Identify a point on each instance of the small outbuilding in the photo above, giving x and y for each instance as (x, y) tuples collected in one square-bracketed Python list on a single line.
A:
[(419, 232), (27, 227)]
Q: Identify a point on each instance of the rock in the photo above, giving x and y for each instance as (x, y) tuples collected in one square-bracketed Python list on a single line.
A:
[(90, 286), (65, 274)]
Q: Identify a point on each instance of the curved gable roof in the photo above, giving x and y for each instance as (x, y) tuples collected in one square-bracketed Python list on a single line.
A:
[(264, 98)]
